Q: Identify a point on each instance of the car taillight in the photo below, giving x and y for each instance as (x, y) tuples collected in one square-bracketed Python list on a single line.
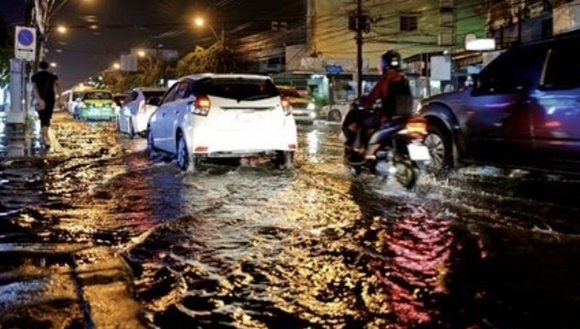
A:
[(286, 107), (416, 127), (201, 106)]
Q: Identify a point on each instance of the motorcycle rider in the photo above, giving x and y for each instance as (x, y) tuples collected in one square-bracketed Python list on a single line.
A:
[(393, 92)]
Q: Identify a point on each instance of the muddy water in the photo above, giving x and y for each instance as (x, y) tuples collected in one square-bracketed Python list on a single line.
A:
[(250, 247)]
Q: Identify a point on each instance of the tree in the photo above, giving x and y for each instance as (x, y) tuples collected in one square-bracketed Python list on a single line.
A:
[(6, 52), (216, 59)]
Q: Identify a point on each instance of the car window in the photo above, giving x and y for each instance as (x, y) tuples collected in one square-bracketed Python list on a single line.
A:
[(289, 92), (237, 88), (96, 95), (185, 89), (170, 96), (511, 72), (150, 94), (132, 96), (562, 71)]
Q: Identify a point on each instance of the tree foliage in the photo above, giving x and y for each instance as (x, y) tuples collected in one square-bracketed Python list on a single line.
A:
[(216, 59), (6, 52)]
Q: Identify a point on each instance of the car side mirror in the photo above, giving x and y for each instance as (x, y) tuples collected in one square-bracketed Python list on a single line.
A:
[(154, 101)]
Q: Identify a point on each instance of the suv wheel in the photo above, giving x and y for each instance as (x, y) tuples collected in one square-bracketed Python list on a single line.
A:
[(284, 160), (185, 161), (440, 148)]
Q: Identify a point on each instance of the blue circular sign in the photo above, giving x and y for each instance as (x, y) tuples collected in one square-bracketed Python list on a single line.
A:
[(25, 37)]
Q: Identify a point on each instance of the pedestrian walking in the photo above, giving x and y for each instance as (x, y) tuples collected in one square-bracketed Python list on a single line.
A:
[(46, 90)]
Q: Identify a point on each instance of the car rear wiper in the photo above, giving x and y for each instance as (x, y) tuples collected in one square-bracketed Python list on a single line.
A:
[(254, 98)]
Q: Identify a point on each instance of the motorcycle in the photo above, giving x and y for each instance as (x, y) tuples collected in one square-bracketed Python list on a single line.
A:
[(401, 151)]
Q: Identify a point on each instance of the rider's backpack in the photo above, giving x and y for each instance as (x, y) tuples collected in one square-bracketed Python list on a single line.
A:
[(399, 103)]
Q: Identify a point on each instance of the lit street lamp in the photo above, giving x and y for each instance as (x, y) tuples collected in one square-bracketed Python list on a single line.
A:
[(61, 29), (200, 22)]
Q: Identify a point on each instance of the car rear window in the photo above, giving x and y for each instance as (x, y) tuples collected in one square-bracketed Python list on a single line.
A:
[(98, 95), (238, 88)]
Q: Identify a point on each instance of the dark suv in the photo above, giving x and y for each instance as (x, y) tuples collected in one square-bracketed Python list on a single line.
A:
[(523, 111)]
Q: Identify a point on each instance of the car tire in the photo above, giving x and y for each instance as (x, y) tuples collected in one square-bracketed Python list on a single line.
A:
[(131, 129), (440, 147), (185, 161), (334, 115), (284, 160), (151, 150)]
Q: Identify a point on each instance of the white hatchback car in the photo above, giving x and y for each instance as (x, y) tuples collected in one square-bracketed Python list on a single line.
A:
[(136, 110), (223, 116)]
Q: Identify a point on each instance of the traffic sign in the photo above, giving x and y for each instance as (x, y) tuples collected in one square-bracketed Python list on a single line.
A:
[(25, 43)]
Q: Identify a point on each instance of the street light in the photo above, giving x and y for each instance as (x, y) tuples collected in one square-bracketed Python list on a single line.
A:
[(200, 22), (61, 29), (116, 66)]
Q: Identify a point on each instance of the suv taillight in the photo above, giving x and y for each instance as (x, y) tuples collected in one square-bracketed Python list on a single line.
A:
[(286, 107), (200, 106)]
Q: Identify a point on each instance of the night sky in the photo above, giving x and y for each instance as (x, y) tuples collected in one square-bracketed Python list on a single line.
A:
[(101, 30)]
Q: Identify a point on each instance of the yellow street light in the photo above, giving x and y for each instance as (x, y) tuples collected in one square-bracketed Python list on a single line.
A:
[(141, 53), (201, 22), (61, 29), (116, 66)]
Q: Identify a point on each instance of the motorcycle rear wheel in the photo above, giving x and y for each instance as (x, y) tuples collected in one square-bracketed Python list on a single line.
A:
[(406, 173)]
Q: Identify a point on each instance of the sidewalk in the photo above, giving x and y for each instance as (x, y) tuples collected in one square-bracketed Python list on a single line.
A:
[(65, 286), (19, 140), (58, 285)]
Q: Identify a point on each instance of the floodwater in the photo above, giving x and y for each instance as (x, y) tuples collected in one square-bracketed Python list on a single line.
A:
[(252, 247)]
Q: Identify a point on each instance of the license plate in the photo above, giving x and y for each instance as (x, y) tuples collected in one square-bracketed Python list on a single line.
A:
[(418, 152), (248, 117)]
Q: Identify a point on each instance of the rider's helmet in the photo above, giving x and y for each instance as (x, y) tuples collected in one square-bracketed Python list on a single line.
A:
[(390, 60)]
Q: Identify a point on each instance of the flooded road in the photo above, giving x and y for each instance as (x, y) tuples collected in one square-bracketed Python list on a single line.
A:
[(252, 247)]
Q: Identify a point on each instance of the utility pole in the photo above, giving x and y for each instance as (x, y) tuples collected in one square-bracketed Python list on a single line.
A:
[(359, 23), (359, 49)]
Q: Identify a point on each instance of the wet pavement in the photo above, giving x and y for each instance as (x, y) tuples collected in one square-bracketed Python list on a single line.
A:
[(99, 235)]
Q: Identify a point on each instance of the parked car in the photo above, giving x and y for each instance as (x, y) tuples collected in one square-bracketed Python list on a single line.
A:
[(69, 99), (303, 109), (137, 109), (523, 111), (223, 115), (95, 105)]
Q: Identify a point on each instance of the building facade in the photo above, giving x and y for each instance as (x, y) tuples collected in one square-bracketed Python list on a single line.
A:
[(512, 22), (411, 27)]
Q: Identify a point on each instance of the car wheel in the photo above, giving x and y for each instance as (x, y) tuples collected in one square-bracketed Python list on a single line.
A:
[(334, 115), (440, 148), (185, 161), (131, 129), (150, 144), (284, 160)]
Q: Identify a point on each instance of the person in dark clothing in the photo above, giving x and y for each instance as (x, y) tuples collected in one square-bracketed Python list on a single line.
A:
[(46, 90), (394, 93)]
